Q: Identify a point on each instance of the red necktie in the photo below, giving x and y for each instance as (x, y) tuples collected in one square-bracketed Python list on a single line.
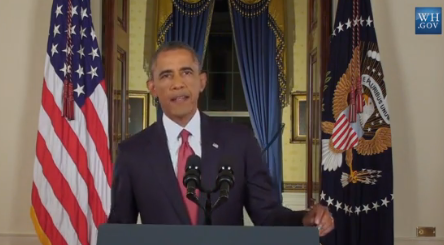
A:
[(184, 152)]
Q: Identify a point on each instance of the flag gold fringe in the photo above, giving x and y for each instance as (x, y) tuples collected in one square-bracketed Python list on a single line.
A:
[(44, 240)]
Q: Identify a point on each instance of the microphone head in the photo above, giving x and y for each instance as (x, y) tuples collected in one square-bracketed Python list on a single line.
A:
[(192, 170), (193, 161), (225, 166), (225, 174)]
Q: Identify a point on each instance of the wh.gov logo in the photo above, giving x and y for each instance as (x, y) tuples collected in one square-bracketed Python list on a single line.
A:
[(428, 20)]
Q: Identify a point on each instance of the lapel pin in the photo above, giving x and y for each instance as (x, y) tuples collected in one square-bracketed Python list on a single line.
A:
[(215, 145)]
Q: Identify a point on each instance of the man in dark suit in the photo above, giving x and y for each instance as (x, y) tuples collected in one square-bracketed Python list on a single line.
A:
[(150, 164)]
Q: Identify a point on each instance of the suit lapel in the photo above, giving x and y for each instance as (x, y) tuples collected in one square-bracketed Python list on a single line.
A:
[(162, 166), (211, 151)]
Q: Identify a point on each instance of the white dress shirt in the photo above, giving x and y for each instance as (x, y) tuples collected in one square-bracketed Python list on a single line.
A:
[(173, 131)]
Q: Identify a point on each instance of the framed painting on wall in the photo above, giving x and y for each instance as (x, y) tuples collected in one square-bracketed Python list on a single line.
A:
[(138, 111), (299, 117)]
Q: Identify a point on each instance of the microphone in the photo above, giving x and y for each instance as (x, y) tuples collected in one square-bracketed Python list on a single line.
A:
[(191, 178), (224, 182)]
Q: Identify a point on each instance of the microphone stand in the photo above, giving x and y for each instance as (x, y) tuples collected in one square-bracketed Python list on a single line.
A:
[(208, 209)]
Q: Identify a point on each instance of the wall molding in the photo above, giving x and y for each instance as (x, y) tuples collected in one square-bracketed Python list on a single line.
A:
[(19, 239), (439, 239), (298, 186), (294, 186), (294, 200), (419, 241)]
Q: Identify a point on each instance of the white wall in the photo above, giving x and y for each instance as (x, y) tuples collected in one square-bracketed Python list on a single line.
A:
[(414, 70), (414, 74)]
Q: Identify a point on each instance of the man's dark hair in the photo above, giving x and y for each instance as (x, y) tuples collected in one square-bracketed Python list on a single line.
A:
[(168, 46)]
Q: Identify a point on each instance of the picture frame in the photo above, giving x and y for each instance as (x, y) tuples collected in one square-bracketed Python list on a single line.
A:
[(122, 13), (317, 110), (315, 89), (138, 111), (313, 14), (299, 117)]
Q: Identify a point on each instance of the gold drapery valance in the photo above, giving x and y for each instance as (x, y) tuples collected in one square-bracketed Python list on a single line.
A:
[(164, 14), (192, 7), (250, 1), (276, 10), (165, 10), (191, 1), (162, 11), (250, 8)]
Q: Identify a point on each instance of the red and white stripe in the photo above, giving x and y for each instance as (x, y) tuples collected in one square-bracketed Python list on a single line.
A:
[(71, 193), (344, 137)]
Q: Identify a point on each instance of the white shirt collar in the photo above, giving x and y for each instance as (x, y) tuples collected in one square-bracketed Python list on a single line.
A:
[(173, 129)]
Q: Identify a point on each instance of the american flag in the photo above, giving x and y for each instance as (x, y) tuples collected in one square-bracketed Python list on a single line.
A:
[(71, 191)]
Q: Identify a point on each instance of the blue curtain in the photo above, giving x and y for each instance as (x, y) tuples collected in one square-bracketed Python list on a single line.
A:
[(189, 23), (257, 52)]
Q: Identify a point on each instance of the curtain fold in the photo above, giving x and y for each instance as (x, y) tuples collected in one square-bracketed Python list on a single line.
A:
[(188, 22), (260, 50)]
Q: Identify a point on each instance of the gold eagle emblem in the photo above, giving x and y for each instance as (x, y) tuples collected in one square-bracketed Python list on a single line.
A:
[(373, 124)]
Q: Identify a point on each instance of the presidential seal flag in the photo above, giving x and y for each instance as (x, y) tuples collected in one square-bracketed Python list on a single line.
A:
[(357, 170)]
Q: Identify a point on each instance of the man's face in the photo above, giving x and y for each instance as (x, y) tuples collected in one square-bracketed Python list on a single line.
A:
[(177, 82)]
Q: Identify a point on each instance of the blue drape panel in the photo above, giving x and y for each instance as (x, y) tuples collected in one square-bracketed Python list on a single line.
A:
[(190, 24), (256, 50)]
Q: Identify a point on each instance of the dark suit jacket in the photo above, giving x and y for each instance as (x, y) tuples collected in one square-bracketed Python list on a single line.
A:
[(145, 181)]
